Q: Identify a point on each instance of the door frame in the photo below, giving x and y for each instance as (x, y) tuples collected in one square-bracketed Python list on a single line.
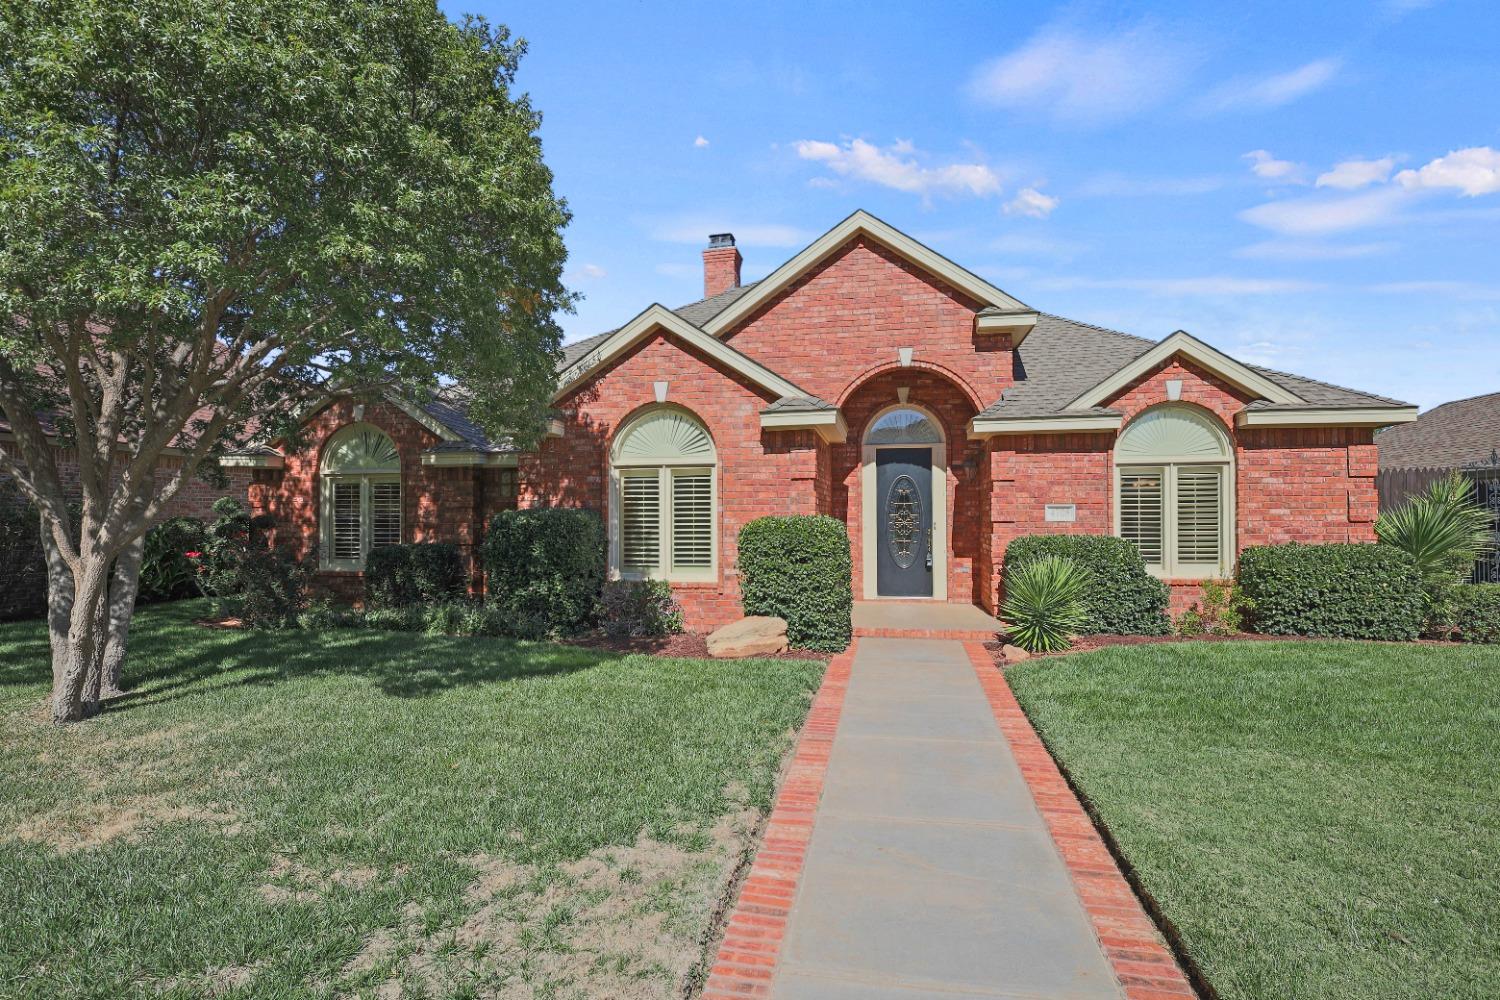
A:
[(869, 530)]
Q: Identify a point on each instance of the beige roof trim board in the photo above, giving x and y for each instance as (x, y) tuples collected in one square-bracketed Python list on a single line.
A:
[(267, 461), (1195, 350), (657, 316), (860, 223), (1370, 416), (1017, 324), (828, 424), (470, 458), (981, 427)]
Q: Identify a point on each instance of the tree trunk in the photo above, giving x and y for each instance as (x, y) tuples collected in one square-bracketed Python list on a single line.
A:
[(75, 692), (123, 587), (59, 601)]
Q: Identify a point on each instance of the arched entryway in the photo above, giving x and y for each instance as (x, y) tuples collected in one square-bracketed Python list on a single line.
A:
[(904, 486)]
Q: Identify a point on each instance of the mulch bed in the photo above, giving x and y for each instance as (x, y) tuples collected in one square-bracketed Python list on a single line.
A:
[(687, 645)]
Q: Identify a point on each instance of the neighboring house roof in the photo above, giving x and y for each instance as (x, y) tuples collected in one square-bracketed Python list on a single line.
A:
[(1453, 435)]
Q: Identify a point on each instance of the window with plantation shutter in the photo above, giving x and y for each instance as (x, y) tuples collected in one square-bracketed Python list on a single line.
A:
[(346, 520), (385, 513), (1199, 515), (1173, 490), (692, 519), (1141, 511), (640, 522), (664, 521), (361, 472)]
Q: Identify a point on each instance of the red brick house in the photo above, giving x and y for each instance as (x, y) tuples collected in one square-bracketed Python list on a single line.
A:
[(870, 379)]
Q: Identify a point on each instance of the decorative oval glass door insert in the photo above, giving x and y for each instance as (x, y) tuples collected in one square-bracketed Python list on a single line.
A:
[(903, 514)]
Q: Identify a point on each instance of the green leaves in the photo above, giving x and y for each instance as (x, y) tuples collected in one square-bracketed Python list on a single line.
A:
[(1043, 603), (1340, 591), (798, 567), (1121, 597), (1444, 530)]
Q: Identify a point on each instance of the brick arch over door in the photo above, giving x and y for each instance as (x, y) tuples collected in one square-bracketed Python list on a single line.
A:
[(951, 405)]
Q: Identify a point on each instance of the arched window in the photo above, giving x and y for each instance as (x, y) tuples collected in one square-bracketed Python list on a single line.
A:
[(665, 499), (361, 476), (903, 426), (1174, 491)]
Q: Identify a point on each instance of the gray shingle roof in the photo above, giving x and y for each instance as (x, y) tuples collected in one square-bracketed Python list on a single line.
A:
[(799, 404), (1463, 432), (1062, 358), (696, 313), (450, 407)]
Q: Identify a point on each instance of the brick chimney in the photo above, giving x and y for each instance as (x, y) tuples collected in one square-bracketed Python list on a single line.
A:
[(721, 265)]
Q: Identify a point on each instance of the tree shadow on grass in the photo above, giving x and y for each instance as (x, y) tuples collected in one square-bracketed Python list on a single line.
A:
[(172, 656)]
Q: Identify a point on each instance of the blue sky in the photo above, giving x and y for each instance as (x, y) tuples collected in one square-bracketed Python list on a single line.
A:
[(1310, 186)]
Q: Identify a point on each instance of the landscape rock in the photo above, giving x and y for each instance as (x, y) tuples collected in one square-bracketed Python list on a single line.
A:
[(1014, 654), (758, 635)]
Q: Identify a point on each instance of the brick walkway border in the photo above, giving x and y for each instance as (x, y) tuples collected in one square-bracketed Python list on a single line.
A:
[(959, 635), (747, 956), (1141, 959)]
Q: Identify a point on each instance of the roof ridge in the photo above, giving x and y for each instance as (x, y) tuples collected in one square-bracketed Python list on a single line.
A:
[(1462, 399)]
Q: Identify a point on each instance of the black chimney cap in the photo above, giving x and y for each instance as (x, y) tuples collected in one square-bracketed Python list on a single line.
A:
[(721, 240)]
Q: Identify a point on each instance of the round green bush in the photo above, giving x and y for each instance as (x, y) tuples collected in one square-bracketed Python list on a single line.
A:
[(1338, 591), (1120, 597), (545, 567), (798, 567)]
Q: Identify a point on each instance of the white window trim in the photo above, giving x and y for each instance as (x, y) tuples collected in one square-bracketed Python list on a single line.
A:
[(665, 471), (366, 517), (1169, 568)]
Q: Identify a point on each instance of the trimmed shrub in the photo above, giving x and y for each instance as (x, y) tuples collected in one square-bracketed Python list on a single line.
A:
[(798, 567), (1043, 606), (418, 573), (1475, 612), (167, 569), (545, 567), (464, 618), (639, 609), (247, 577), (1120, 596), (1339, 591), (23, 590)]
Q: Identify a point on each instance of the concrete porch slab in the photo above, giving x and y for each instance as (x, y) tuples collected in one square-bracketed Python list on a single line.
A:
[(918, 619)]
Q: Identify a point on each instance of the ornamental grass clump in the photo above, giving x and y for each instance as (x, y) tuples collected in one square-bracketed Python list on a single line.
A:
[(1043, 603)]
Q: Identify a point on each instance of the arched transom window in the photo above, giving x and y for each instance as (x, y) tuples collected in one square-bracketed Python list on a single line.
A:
[(1174, 492), (361, 476), (903, 426), (665, 499)]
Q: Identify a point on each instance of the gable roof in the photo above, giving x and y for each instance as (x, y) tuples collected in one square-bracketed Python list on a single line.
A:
[(1184, 343), (1452, 435), (860, 223)]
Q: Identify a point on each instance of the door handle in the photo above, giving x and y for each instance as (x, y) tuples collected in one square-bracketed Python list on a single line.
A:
[(929, 548)]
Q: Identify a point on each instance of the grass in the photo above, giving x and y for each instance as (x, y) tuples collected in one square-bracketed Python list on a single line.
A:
[(1316, 819), (295, 814)]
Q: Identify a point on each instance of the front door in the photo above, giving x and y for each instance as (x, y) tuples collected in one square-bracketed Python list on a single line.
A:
[(903, 518)]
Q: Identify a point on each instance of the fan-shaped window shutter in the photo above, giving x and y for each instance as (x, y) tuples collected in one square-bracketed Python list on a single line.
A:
[(666, 519), (1173, 491)]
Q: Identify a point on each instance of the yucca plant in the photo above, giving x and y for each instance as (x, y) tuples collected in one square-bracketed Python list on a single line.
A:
[(1042, 603), (1443, 528)]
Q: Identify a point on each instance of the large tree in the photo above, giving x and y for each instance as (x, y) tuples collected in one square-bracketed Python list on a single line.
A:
[(213, 211)]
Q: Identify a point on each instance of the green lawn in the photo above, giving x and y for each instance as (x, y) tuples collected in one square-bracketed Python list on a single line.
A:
[(356, 813), (1317, 819)]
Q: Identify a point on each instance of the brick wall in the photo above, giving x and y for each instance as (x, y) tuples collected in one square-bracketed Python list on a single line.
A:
[(439, 503), (1306, 485), (847, 318)]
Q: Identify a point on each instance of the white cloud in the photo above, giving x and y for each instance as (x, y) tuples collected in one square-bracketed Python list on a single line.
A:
[(1440, 287), (1085, 78), (588, 272), (1267, 92), (1294, 250), (899, 166), (679, 270), (700, 142), (1352, 174), (1267, 167), (1310, 216), (1031, 202), (1208, 285), (1474, 171)]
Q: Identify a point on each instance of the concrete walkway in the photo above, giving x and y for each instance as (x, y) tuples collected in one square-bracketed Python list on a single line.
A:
[(930, 872)]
